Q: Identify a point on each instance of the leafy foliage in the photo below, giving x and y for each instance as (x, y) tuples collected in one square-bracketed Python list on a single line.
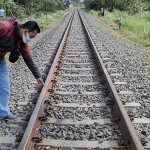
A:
[(12, 9), (130, 6), (20, 8)]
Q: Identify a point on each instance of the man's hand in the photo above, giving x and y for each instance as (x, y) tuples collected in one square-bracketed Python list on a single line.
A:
[(40, 81)]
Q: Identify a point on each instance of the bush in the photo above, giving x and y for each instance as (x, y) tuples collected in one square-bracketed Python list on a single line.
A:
[(42, 20), (12, 10)]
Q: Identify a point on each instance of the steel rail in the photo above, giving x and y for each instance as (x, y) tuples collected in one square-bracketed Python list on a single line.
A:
[(125, 124), (34, 122)]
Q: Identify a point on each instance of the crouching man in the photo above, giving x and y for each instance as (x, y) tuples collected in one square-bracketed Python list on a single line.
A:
[(14, 38)]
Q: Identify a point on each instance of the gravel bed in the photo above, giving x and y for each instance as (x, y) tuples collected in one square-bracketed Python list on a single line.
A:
[(85, 132), (127, 59), (81, 132), (79, 113), (143, 131), (130, 63), (11, 130), (139, 112), (136, 112), (129, 98), (77, 88), (99, 98), (25, 111)]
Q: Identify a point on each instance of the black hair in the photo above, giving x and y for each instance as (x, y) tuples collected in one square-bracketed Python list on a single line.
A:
[(31, 26)]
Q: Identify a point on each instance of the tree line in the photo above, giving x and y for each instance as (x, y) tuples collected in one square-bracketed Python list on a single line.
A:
[(130, 6), (19, 8)]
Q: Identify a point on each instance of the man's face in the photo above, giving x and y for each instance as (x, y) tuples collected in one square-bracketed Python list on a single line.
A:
[(31, 34), (27, 36)]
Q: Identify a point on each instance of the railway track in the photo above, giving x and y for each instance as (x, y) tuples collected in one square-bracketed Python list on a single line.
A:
[(77, 57), (81, 106)]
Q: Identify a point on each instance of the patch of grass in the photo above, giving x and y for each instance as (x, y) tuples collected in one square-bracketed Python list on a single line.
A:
[(136, 28), (44, 20)]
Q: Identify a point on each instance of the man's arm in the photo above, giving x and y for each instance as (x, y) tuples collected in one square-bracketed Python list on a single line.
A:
[(25, 52), (34, 69)]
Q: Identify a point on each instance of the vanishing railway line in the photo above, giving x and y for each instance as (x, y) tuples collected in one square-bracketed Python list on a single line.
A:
[(81, 106), (79, 124)]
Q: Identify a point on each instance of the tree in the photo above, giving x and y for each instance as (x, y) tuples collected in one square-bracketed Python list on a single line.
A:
[(34, 6), (131, 6), (11, 8)]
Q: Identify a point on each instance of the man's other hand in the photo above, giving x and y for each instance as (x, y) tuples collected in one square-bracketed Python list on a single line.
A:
[(40, 81)]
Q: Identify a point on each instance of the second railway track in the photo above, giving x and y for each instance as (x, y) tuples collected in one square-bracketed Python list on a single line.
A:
[(81, 107)]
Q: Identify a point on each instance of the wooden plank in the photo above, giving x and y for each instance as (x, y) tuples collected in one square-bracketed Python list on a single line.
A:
[(78, 105), (112, 68), (125, 92), (76, 122), (79, 75), (76, 93), (7, 141), (79, 83), (132, 104), (77, 63), (147, 146), (90, 105), (79, 144), (23, 103), (18, 121), (88, 93), (105, 58), (82, 105), (115, 74), (77, 68), (79, 53), (32, 91), (34, 82), (75, 55), (120, 83), (79, 58), (141, 120)]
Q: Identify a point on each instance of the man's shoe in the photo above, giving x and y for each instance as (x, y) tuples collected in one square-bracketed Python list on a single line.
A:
[(1, 119), (9, 117)]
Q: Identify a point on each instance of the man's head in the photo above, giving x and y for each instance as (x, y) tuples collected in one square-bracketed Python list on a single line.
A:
[(28, 31)]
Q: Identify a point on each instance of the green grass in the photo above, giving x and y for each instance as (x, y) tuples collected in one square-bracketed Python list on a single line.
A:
[(44, 20), (138, 24), (135, 28)]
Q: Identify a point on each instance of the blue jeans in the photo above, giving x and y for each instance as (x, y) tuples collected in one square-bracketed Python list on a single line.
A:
[(4, 89)]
